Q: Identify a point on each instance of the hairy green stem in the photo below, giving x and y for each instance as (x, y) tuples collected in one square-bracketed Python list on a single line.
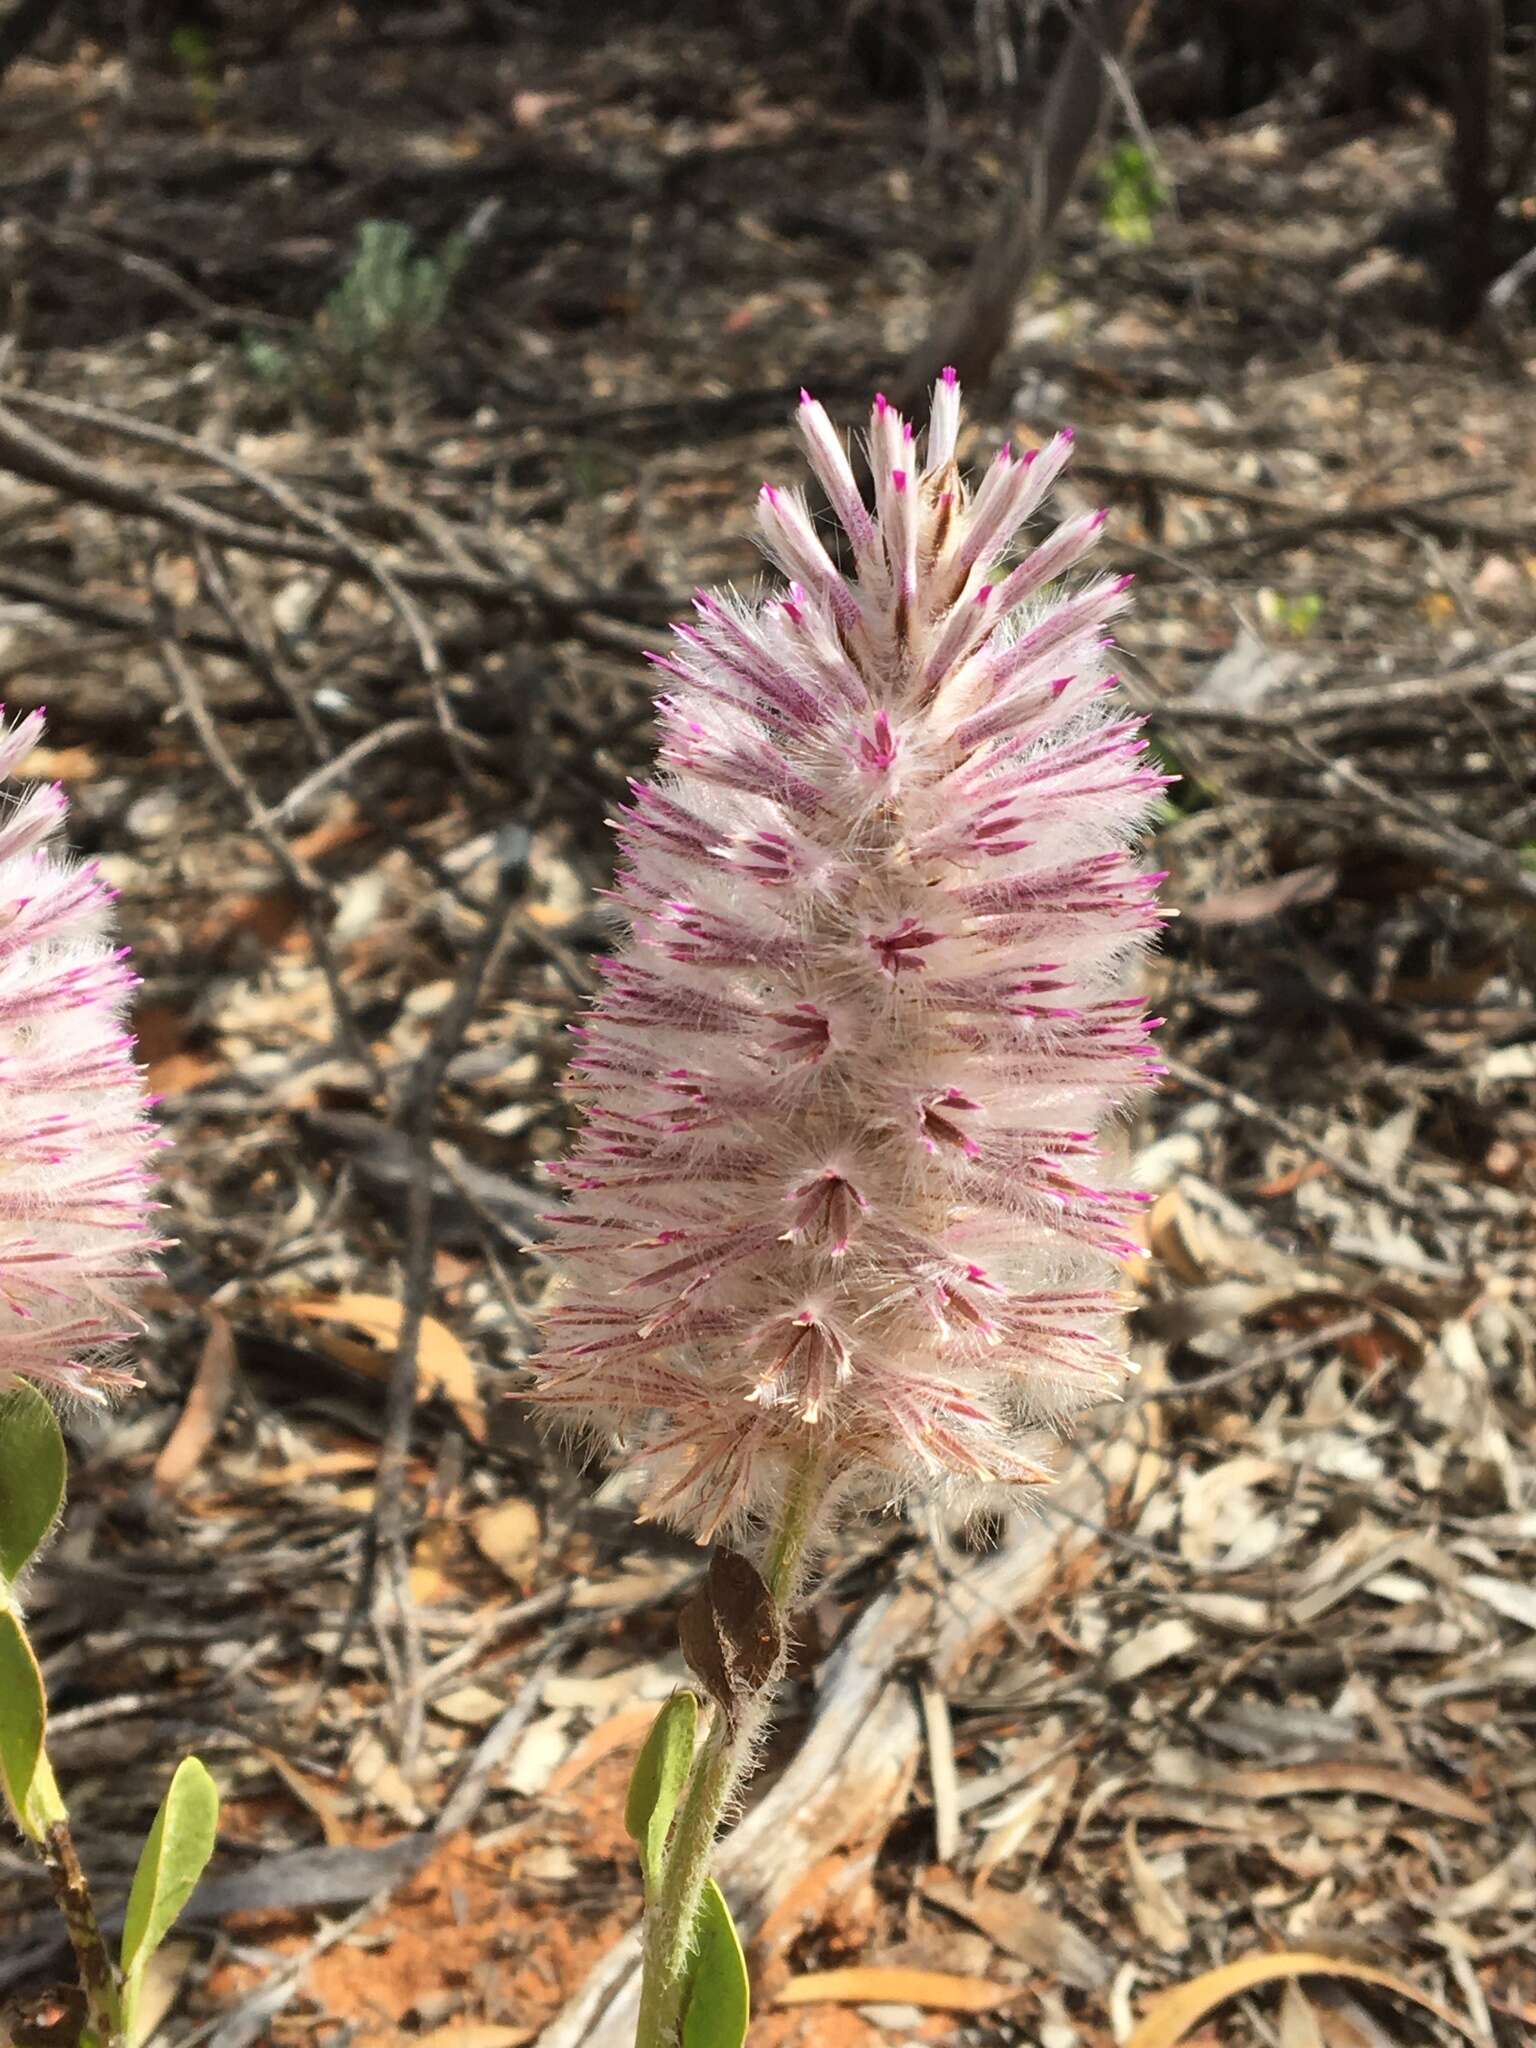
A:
[(722, 1768), (788, 1552), (93, 1959)]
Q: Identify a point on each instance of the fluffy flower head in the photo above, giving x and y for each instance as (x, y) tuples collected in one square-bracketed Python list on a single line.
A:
[(75, 1138), (838, 1186)]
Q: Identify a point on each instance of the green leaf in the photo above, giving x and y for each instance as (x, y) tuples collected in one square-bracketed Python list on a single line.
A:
[(660, 1773), (32, 1473), (23, 1715), (719, 2003), (1133, 194), (173, 1859)]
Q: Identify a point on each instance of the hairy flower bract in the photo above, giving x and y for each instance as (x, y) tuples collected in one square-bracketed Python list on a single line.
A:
[(838, 1188), (76, 1141)]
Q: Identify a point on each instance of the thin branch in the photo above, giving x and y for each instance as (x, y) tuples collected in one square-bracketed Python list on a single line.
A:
[(416, 1114), (305, 883), (1281, 1352), (1357, 1176)]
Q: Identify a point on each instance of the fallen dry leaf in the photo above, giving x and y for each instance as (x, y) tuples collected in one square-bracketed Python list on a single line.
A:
[(470, 1706), (386, 1786), (437, 1560), (344, 829), (274, 918), (1294, 1177), (1376, 1781), (508, 1534), (1172, 2014), (162, 1031), (1030, 1823), (626, 1729), (1156, 1912), (57, 764), (1159, 1644), (442, 1364), (313, 1796), (204, 1409), (337, 1464), (1265, 899), (1028, 1932), (1298, 2022), (163, 1978), (934, 1990), (1201, 1236)]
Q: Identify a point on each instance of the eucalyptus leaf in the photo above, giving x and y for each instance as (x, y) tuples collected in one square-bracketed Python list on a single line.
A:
[(719, 2003), (173, 1858), (660, 1773), (23, 1715), (32, 1474)]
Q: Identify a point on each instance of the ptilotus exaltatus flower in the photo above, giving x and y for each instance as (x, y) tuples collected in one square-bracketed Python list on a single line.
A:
[(76, 1142), (838, 1188)]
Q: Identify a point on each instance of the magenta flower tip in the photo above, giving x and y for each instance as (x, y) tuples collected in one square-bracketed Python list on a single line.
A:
[(836, 1184), (950, 375)]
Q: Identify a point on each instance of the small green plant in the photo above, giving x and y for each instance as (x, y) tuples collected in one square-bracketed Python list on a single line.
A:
[(193, 55), (391, 301), (1296, 616), (1133, 194), (176, 1851), (374, 330)]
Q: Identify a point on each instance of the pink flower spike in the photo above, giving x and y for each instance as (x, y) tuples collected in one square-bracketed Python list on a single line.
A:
[(836, 1186), (76, 1141)]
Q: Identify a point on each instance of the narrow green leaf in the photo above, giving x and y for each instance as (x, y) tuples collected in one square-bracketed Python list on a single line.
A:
[(173, 1859), (32, 1472), (660, 1773), (719, 2003), (23, 1715)]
